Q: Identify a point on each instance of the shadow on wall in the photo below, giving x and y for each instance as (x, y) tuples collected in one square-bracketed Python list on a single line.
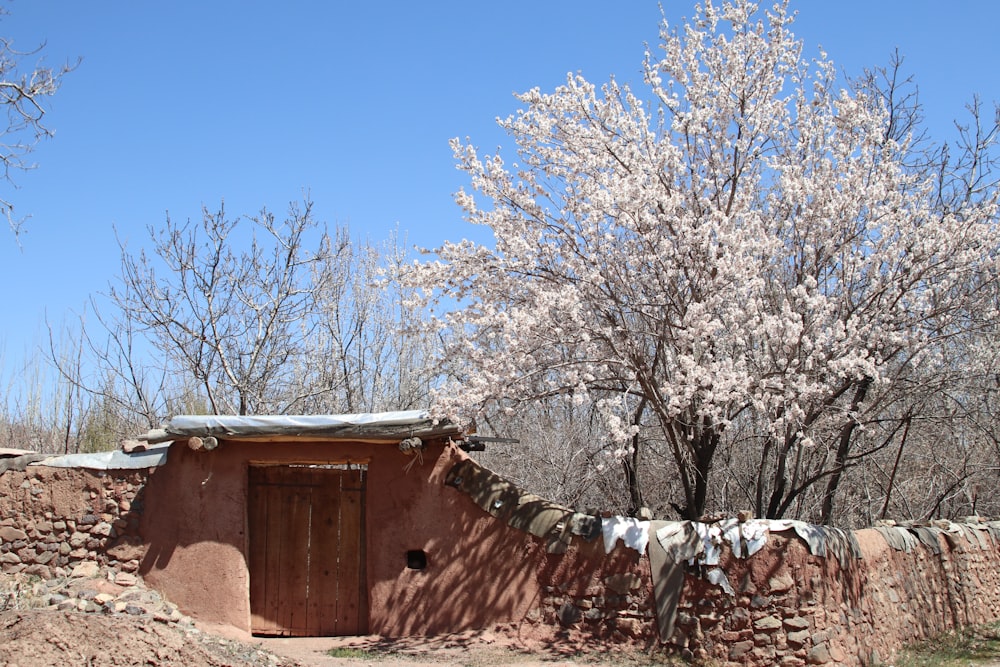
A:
[(436, 562), (498, 556), (478, 578)]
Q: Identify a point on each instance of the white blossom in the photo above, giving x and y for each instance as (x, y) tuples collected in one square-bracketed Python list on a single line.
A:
[(750, 242)]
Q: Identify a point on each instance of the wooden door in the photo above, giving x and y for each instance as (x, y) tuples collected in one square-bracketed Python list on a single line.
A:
[(306, 551)]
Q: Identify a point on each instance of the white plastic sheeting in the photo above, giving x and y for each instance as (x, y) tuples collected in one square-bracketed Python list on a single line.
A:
[(115, 460), (275, 423), (634, 533), (369, 424)]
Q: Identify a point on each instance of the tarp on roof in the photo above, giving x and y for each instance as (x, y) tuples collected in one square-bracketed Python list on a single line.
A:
[(116, 460), (374, 425), (10, 452)]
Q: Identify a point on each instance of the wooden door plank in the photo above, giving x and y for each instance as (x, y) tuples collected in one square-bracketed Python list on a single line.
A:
[(293, 562), (272, 561), (306, 551), (324, 574), (350, 620), (362, 546)]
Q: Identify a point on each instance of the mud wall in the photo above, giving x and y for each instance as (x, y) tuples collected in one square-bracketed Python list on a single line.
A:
[(183, 527), (54, 519), (195, 530)]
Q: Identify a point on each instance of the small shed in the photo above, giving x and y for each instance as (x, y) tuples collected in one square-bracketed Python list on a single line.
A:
[(325, 525)]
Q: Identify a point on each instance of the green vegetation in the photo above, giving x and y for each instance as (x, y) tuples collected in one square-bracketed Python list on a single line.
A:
[(968, 646), (355, 653)]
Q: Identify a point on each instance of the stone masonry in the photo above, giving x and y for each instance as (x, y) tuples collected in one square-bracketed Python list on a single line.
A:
[(785, 605), (788, 607), (54, 519)]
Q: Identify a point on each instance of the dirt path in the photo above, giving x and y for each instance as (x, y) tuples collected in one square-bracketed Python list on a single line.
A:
[(466, 650), (95, 621)]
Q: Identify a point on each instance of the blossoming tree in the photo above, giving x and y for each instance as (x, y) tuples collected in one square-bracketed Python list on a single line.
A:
[(743, 244)]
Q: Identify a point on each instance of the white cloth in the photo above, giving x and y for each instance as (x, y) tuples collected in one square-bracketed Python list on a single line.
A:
[(633, 532), (755, 534)]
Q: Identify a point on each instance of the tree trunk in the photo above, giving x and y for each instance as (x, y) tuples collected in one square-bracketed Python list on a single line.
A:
[(843, 449), (780, 478), (631, 465), (895, 469), (704, 454)]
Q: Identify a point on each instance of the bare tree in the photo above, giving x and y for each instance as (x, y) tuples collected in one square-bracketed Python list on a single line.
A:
[(24, 93), (37, 411), (233, 313), (130, 392), (372, 348), (251, 315), (562, 453)]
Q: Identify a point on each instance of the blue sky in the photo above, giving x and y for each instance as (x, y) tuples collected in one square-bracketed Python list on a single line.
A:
[(181, 104)]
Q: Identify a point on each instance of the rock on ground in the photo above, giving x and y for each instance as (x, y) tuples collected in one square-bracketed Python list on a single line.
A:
[(106, 620), (102, 619), (36, 637)]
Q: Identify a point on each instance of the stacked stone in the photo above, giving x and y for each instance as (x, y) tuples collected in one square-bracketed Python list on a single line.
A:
[(37, 538), (772, 624), (90, 589), (791, 608), (615, 605), (786, 606)]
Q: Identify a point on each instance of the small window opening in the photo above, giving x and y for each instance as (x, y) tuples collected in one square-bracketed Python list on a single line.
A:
[(416, 559)]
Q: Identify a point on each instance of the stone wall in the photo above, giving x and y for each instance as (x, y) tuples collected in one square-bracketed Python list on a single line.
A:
[(587, 592), (787, 606), (52, 520)]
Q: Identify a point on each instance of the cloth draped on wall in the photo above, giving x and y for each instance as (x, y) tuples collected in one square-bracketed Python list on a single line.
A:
[(904, 536), (633, 533), (674, 547)]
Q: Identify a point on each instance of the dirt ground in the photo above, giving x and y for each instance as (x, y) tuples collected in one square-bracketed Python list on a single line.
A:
[(467, 650), (45, 637), (101, 618), (105, 620)]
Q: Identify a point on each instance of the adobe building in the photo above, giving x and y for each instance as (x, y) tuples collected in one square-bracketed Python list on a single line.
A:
[(382, 524), (327, 525)]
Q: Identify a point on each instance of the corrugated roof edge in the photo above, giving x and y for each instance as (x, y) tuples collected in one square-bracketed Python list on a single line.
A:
[(110, 460)]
